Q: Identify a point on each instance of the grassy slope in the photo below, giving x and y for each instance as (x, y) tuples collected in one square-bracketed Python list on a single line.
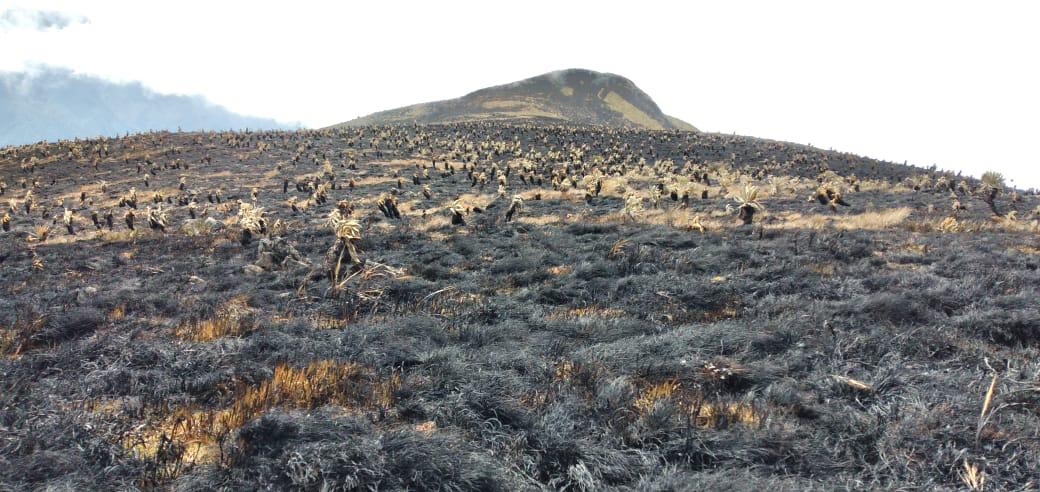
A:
[(681, 125)]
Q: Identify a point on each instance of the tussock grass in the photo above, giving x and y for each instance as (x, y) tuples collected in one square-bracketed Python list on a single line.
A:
[(703, 412), (8, 341), (197, 433), (542, 220), (560, 270), (117, 313), (687, 220), (586, 312), (719, 414), (871, 221), (232, 319), (654, 393)]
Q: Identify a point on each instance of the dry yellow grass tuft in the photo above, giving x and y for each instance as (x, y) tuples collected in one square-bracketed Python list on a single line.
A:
[(653, 393), (468, 201), (427, 428), (949, 225), (823, 269), (433, 222), (684, 219), (1027, 249), (324, 382), (973, 477), (564, 371), (8, 340), (878, 220), (883, 219), (716, 415), (559, 270), (585, 312), (16, 339), (729, 310), (231, 319), (117, 313), (542, 219), (374, 180), (703, 413), (118, 236), (854, 383)]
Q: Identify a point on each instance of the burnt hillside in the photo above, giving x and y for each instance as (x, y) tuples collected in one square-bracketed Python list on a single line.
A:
[(503, 306)]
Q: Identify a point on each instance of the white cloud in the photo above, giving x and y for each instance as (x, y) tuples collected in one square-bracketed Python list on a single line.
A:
[(949, 83), (23, 18)]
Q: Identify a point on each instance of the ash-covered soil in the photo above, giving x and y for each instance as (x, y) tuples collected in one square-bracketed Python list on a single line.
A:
[(875, 326)]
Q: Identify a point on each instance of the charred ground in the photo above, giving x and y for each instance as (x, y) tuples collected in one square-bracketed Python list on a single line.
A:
[(610, 338)]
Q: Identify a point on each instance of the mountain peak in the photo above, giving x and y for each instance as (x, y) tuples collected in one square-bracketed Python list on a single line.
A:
[(565, 78), (573, 75), (573, 95)]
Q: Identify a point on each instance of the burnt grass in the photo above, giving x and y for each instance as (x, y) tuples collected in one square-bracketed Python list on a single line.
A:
[(576, 352)]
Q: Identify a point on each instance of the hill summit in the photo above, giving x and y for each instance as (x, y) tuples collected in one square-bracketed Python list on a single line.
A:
[(572, 96)]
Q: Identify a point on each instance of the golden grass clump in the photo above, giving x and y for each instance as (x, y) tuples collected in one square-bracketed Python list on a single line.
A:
[(617, 250), (586, 312), (854, 383), (715, 415), (703, 413), (564, 371), (16, 339), (322, 382), (729, 310), (232, 319), (545, 219), (8, 341), (117, 313), (678, 218), (659, 391), (559, 270), (973, 477), (949, 225), (876, 220)]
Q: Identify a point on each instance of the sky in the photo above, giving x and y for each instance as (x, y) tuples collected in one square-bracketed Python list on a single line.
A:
[(954, 84)]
